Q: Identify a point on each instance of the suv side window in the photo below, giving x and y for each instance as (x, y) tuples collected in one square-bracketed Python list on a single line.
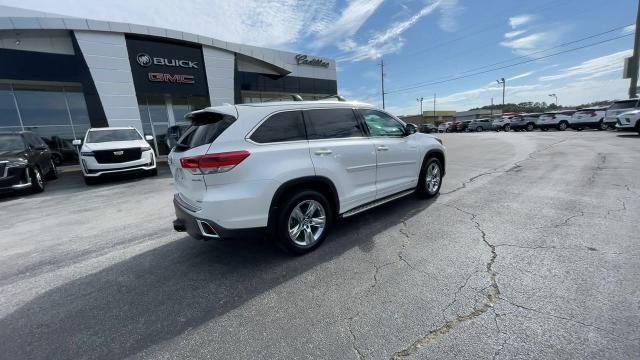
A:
[(33, 140), (332, 124), (381, 124), (284, 126)]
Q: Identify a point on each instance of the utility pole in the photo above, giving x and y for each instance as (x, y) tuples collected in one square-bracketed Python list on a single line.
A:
[(420, 100), (382, 79), (434, 107), (634, 61), (503, 82)]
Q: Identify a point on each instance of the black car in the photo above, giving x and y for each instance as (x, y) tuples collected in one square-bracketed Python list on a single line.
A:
[(25, 162), (428, 128), (464, 125)]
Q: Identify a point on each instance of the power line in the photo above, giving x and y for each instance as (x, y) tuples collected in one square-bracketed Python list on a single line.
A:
[(537, 52), (424, 84)]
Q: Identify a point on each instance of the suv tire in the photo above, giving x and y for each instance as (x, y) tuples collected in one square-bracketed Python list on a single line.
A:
[(530, 127), (53, 171), (430, 180), (563, 125), (303, 222), (507, 128), (602, 126), (37, 180)]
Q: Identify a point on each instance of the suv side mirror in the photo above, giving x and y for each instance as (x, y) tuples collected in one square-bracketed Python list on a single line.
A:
[(410, 129), (148, 137), (76, 142)]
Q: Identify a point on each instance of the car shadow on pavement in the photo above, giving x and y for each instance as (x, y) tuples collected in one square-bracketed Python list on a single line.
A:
[(628, 136), (159, 294)]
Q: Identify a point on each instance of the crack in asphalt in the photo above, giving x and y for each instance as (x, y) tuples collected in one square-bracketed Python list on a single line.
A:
[(623, 208), (455, 296), (491, 299), (608, 331), (602, 159), (354, 340)]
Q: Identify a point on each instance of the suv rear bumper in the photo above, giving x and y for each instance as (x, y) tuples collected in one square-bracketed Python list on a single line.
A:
[(205, 229)]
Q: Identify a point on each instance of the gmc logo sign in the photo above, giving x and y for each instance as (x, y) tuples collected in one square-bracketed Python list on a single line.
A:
[(177, 78)]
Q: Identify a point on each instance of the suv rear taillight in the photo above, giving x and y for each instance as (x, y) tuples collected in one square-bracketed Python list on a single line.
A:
[(593, 113), (213, 163)]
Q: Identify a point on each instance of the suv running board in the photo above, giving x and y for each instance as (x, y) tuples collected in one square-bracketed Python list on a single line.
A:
[(375, 203)]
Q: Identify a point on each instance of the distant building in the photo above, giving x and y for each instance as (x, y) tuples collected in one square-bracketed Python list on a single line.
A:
[(428, 117), (476, 114)]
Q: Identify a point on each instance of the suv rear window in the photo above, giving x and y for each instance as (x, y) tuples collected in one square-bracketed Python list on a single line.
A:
[(201, 133), (284, 126), (623, 105), (332, 124)]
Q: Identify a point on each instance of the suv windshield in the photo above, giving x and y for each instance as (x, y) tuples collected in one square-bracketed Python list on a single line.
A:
[(623, 105), (100, 136), (11, 143)]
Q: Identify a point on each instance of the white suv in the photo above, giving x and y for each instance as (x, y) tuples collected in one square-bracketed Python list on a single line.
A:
[(115, 150), (560, 120), (629, 121), (618, 108), (292, 168)]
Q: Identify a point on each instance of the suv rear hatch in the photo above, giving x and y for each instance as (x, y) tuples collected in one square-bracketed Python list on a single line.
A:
[(184, 160)]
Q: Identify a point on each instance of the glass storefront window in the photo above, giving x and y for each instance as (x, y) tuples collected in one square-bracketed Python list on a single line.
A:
[(42, 107), (58, 114), (77, 107), (8, 111)]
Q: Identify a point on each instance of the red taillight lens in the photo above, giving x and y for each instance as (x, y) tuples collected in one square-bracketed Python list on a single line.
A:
[(593, 114), (213, 163)]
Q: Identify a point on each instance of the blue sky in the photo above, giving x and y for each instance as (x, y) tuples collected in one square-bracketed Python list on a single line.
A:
[(421, 41)]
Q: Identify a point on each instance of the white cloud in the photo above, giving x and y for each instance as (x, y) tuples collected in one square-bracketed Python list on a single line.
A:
[(516, 21), (272, 23), (592, 68), (528, 42), (515, 33), (385, 42), (524, 75), (450, 12), (348, 23), (629, 29)]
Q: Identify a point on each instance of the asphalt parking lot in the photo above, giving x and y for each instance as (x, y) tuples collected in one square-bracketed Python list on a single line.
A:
[(531, 251)]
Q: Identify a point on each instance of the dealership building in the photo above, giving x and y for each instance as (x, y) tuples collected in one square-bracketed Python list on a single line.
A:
[(61, 75)]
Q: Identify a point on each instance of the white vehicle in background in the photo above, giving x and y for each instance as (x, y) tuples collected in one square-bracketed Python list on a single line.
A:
[(618, 108), (444, 127), (592, 117), (503, 122), (559, 120), (292, 168), (115, 150), (629, 121)]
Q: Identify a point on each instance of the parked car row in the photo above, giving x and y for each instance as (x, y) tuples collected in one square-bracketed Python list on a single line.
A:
[(622, 115)]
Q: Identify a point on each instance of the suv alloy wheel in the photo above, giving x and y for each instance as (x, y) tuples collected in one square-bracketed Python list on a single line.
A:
[(430, 178), (562, 126), (529, 127), (37, 181), (303, 222)]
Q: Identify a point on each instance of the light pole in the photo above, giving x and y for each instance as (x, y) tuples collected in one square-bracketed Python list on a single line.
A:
[(434, 106), (420, 100), (502, 82), (554, 96)]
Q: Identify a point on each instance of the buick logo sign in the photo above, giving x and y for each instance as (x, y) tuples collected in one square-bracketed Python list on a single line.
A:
[(144, 59)]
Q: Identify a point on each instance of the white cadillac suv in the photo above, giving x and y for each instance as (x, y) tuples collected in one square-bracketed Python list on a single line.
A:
[(115, 150), (291, 168)]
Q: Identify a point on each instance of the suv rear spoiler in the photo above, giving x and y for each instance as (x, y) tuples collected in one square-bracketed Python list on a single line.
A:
[(212, 114)]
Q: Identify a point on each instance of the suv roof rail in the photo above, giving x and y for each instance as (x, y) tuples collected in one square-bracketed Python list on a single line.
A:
[(336, 96)]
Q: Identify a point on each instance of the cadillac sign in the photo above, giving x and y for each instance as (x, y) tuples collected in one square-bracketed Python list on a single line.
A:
[(302, 59)]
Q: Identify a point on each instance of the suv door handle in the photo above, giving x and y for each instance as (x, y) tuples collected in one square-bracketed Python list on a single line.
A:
[(323, 152), (382, 148)]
